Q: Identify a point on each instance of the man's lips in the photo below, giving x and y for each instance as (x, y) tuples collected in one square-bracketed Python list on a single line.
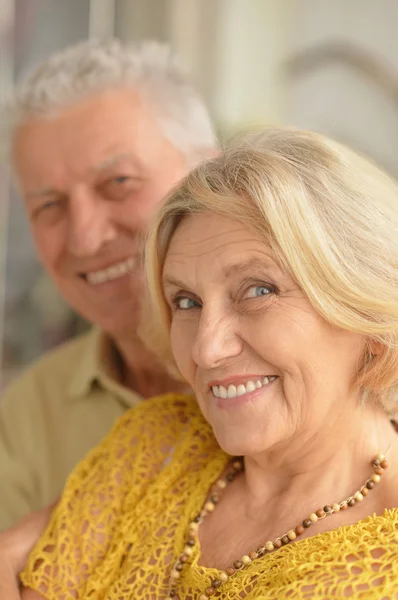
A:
[(111, 272)]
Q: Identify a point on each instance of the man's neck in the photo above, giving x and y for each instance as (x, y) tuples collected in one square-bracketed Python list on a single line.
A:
[(142, 372)]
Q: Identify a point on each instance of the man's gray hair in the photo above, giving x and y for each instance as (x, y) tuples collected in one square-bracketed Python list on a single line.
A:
[(94, 66)]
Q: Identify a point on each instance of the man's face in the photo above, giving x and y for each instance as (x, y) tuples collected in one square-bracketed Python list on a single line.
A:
[(91, 176)]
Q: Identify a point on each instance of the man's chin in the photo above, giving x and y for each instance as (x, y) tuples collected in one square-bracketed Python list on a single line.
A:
[(120, 329)]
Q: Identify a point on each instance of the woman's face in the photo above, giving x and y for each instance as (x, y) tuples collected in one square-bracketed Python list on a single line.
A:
[(267, 370)]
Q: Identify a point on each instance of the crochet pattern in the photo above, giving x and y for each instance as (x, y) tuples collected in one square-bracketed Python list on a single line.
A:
[(122, 520)]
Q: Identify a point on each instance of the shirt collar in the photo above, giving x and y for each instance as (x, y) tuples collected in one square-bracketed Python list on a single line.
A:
[(99, 364)]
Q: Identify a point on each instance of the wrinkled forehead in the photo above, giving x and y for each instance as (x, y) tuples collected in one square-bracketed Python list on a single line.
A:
[(207, 241), (90, 135)]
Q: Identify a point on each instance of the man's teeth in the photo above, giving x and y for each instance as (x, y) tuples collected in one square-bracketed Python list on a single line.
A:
[(112, 272), (232, 391)]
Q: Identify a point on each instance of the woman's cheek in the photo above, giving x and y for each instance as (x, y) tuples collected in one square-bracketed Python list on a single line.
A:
[(182, 338)]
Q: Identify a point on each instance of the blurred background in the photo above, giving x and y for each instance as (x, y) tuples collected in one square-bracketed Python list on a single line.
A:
[(328, 65)]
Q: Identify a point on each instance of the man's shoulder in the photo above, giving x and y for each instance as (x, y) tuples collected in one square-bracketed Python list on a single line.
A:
[(56, 365), (166, 414)]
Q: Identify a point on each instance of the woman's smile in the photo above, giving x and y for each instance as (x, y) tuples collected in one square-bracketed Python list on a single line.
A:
[(237, 391)]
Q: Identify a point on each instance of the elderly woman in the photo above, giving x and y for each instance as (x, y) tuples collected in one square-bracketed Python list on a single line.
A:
[(273, 270)]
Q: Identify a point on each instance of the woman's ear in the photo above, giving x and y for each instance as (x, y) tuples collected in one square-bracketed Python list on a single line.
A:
[(374, 347)]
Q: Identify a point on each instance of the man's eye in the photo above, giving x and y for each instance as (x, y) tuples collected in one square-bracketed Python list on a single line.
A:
[(256, 291), (120, 179), (119, 187), (45, 206), (185, 303)]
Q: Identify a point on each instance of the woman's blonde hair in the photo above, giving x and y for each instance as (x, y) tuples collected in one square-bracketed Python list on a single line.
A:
[(330, 217)]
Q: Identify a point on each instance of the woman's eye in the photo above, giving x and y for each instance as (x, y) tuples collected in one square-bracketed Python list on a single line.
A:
[(185, 303), (256, 291)]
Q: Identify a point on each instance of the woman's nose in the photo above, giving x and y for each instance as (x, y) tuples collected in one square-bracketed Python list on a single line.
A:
[(216, 340)]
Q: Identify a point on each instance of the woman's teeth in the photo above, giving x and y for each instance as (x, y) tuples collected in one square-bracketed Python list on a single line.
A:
[(220, 391)]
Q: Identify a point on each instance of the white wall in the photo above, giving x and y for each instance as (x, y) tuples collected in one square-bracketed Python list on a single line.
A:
[(336, 96)]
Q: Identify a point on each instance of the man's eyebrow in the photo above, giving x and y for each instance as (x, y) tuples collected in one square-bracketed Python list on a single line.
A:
[(41, 193), (111, 161), (102, 166)]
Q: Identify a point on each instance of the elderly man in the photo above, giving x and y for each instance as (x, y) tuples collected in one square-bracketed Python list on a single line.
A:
[(100, 133)]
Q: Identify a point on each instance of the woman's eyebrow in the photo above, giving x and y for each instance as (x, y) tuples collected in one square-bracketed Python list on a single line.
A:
[(169, 280), (250, 263)]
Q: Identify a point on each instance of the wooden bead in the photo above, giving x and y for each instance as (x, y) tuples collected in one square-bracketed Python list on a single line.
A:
[(246, 560), (343, 506), (358, 496), (214, 498), (380, 457), (210, 592), (253, 555), (379, 470), (364, 491), (261, 550), (351, 502), (221, 484), (175, 574), (172, 594), (188, 551), (216, 583), (209, 506), (384, 464), (223, 577), (299, 530), (269, 546), (328, 508), (277, 543), (375, 462), (202, 597), (238, 564), (291, 535), (237, 465), (307, 523), (230, 571), (313, 518), (179, 567), (375, 477), (193, 526), (285, 540), (336, 507), (320, 513)]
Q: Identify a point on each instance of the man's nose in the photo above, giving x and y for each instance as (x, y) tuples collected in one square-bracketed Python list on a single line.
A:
[(216, 339), (90, 224)]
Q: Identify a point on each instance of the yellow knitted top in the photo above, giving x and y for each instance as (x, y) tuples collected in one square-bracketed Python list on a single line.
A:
[(123, 517)]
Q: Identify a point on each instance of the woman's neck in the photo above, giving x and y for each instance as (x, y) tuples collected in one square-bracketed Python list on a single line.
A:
[(327, 467)]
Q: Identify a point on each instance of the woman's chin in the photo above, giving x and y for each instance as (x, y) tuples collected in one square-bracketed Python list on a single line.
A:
[(242, 443)]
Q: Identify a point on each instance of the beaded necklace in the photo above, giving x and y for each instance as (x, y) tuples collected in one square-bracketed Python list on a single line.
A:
[(379, 464)]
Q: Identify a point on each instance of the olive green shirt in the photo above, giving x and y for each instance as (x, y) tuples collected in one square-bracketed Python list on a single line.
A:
[(52, 415)]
